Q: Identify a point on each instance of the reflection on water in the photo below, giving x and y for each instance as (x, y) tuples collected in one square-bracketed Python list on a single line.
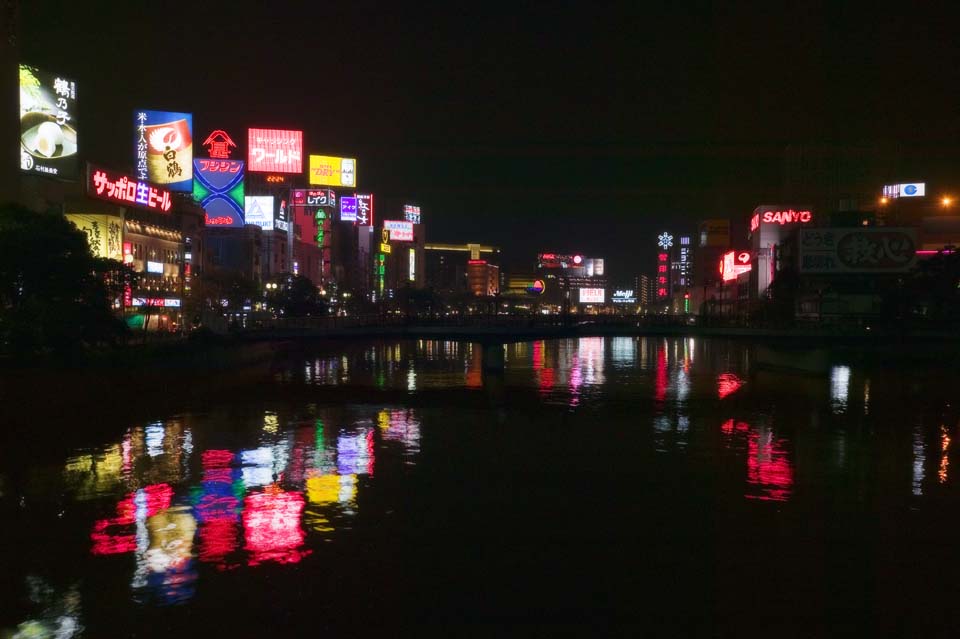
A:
[(181, 502)]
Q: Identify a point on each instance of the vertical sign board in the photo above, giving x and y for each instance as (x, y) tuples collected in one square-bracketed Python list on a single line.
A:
[(412, 264), (348, 209), (163, 148), (686, 261), (274, 151), (218, 188), (48, 124), (364, 209)]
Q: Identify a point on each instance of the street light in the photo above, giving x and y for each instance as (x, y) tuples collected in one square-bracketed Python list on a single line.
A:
[(946, 201)]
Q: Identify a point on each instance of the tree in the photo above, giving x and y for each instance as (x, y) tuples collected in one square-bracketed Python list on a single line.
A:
[(297, 297), (54, 295)]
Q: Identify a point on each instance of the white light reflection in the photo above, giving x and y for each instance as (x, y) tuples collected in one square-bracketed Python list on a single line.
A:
[(623, 351), (411, 376), (866, 397), (839, 387), (154, 439), (918, 461)]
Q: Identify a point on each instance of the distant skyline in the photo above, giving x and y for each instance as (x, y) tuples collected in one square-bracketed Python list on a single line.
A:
[(571, 127)]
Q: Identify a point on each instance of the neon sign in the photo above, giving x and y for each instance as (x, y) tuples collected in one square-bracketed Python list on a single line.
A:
[(127, 191), (734, 263), (780, 217), (274, 151), (364, 209), (218, 187), (275, 179), (662, 260), (218, 144)]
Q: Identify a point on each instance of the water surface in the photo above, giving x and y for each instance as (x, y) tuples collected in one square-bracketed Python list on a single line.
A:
[(667, 486)]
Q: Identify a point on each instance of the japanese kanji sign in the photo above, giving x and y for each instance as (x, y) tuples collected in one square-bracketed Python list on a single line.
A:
[(48, 124), (104, 233), (163, 148), (218, 188), (126, 191), (364, 209), (274, 151)]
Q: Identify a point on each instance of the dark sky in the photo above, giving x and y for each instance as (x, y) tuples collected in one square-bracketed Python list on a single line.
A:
[(582, 126)]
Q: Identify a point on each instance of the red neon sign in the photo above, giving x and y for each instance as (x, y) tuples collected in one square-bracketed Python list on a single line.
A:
[(780, 217), (734, 263), (125, 190), (218, 144), (662, 278)]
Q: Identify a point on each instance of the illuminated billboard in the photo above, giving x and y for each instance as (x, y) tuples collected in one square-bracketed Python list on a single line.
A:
[(879, 249), (781, 218), (218, 188), (910, 189), (163, 148), (326, 170), (274, 151), (411, 213), (364, 209), (258, 210), (624, 296), (348, 209), (556, 260), (126, 191), (734, 263), (412, 264), (592, 296), (314, 197), (48, 124), (400, 230), (104, 233)]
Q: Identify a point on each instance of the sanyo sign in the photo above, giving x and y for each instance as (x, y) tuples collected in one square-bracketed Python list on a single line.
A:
[(788, 216)]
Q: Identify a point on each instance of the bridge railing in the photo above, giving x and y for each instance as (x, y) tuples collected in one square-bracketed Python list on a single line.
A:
[(328, 323)]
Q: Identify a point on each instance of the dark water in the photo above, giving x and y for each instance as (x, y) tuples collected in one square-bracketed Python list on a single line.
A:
[(665, 487)]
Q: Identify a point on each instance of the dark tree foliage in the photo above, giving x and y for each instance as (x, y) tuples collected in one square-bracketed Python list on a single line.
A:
[(297, 297), (54, 296)]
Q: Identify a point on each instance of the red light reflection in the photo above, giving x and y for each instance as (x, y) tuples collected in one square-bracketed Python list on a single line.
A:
[(768, 469), (271, 522), (116, 535), (728, 383), (660, 383)]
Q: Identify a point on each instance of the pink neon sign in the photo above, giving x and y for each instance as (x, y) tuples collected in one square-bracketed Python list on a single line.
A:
[(275, 151)]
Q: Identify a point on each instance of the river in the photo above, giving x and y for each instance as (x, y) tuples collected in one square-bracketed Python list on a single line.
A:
[(661, 486)]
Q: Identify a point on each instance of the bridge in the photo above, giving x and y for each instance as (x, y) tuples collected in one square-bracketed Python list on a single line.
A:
[(491, 332)]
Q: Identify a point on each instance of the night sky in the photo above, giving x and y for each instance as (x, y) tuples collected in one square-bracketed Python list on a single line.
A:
[(550, 126)]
